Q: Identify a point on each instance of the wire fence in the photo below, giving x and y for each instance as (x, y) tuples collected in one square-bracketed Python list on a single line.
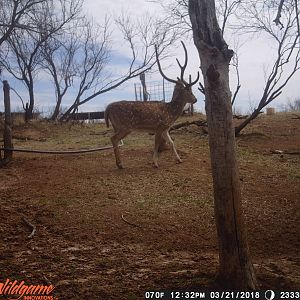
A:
[(158, 91), (8, 147), (155, 91)]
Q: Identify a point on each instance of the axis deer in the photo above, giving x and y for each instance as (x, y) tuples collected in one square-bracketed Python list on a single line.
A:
[(153, 116)]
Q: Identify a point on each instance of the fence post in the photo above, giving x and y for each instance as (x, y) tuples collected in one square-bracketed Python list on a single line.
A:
[(164, 92), (7, 132), (140, 93), (135, 92), (143, 81)]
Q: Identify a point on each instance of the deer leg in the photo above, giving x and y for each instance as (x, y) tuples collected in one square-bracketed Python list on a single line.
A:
[(158, 139), (167, 137), (115, 139), (163, 145)]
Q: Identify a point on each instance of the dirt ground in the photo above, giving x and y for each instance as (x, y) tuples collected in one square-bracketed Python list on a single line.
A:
[(104, 233)]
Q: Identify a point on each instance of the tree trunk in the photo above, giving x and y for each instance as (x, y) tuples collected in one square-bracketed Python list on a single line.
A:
[(241, 126), (59, 95), (235, 267), (70, 111), (31, 101), (56, 109)]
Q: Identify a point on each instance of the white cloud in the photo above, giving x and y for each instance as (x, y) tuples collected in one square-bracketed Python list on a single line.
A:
[(255, 54), (98, 9)]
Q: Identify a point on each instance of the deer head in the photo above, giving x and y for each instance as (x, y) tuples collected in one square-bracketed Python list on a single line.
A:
[(181, 86)]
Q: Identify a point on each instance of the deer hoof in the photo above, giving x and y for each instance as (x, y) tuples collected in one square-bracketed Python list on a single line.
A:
[(179, 160), (120, 166), (155, 165)]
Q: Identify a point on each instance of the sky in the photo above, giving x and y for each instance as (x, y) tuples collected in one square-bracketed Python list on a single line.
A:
[(255, 56)]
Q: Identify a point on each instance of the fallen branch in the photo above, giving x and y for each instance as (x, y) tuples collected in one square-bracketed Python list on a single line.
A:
[(188, 123), (290, 152), (240, 117), (31, 226), (132, 224), (296, 117)]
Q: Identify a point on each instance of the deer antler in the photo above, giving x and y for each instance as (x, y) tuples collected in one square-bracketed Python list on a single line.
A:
[(160, 69), (182, 69), (194, 82)]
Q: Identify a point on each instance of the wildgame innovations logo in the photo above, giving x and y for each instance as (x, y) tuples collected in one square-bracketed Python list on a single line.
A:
[(15, 290)]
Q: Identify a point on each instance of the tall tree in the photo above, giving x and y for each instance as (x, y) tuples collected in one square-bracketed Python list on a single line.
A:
[(139, 35), (257, 18), (277, 21), (177, 16), (90, 59), (235, 266), (76, 59), (14, 15), (24, 45), (22, 63), (58, 60)]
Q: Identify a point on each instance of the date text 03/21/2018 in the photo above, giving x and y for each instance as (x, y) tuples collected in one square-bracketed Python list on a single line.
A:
[(268, 295)]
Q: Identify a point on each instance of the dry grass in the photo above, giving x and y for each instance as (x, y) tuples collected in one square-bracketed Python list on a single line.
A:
[(84, 247)]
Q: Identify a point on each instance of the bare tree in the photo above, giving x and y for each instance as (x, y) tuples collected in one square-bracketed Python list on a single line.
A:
[(139, 35), (14, 15), (235, 267), (57, 60), (76, 59), (25, 45), (225, 9), (177, 16), (235, 64), (257, 18), (261, 17), (278, 16), (22, 61), (277, 20), (293, 105), (89, 60)]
